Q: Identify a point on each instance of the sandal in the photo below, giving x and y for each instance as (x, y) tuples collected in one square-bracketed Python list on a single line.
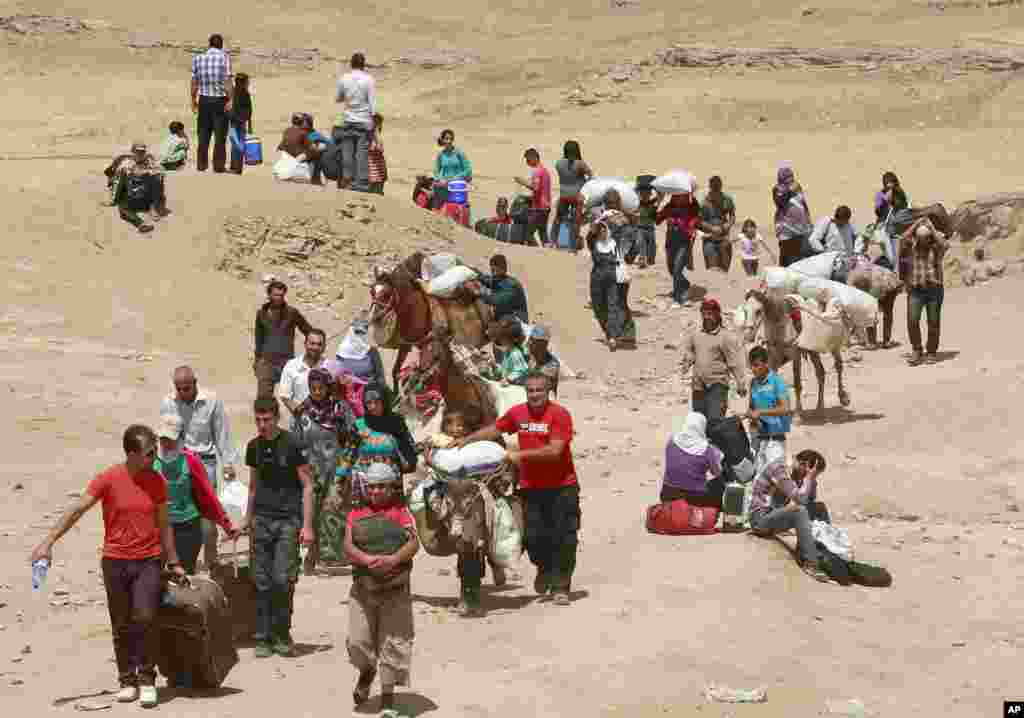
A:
[(361, 693)]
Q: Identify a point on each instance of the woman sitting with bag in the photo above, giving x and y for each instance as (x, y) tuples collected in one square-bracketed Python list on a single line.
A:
[(693, 466)]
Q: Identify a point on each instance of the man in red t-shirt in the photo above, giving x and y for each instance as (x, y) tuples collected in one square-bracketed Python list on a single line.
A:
[(547, 483), (539, 185), (136, 533)]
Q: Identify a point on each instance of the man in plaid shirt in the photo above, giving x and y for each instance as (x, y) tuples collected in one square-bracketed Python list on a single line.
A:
[(211, 100), (922, 249)]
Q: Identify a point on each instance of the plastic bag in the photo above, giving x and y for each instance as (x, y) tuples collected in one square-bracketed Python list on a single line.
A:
[(821, 331), (482, 457), (447, 283), (675, 182), (594, 191), (506, 536), (860, 307), (820, 265), (291, 169), (234, 497), (835, 539)]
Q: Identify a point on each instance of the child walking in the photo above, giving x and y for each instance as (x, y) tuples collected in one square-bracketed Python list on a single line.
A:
[(241, 121), (750, 239), (381, 542)]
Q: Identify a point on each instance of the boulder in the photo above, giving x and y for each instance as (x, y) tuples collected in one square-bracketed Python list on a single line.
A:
[(991, 217)]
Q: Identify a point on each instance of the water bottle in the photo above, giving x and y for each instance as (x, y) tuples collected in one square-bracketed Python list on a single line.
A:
[(39, 569)]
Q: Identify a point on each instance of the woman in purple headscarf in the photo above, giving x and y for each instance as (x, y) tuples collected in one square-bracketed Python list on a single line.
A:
[(792, 216)]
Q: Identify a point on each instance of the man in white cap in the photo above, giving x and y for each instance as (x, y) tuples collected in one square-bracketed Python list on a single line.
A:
[(206, 432)]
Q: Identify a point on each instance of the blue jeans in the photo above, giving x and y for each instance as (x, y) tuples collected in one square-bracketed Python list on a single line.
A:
[(678, 250), (712, 401), (354, 141), (924, 300), (769, 523), (275, 571)]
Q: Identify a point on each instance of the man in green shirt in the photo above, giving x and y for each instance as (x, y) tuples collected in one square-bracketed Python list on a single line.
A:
[(717, 216)]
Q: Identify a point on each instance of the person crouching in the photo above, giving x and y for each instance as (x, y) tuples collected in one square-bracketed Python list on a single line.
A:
[(381, 541)]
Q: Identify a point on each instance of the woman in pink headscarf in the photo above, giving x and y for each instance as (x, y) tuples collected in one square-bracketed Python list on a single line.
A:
[(792, 216)]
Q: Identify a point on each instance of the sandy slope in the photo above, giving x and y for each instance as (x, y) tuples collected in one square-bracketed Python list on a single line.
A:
[(96, 318)]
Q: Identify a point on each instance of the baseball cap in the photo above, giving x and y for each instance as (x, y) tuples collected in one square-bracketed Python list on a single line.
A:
[(169, 427)]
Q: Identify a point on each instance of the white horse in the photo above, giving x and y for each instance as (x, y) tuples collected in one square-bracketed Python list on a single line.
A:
[(765, 319)]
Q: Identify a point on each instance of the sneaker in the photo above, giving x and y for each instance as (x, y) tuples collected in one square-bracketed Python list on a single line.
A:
[(561, 598), (145, 228), (284, 647), (816, 573), (147, 696), (128, 694), (263, 650), (915, 359), (931, 357)]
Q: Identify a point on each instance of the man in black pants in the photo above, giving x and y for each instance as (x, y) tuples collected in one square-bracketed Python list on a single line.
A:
[(211, 100)]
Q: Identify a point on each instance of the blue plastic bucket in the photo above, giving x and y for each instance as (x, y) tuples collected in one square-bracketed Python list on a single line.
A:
[(457, 193), (253, 151)]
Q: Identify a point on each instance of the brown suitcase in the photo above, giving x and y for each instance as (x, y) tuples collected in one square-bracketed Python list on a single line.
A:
[(196, 639), (234, 574)]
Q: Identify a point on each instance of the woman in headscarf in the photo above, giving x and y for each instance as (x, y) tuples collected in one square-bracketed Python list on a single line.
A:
[(357, 357), (693, 467), (379, 436), (325, 419), (792, 216), (609, 278)]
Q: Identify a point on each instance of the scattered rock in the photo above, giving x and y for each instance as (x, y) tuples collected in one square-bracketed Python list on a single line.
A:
[(91, 706), (959, 644), (41, 24), (18, 487), (74, 494), (808, 11), (902, 58), (59, 592), (722, 694), (849, 709), (433, 59), (26, 650), (17, 682), (1013, 508), (908, 517), (444, 572)]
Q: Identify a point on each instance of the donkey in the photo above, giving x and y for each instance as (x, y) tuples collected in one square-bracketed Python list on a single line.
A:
[(770, 313)]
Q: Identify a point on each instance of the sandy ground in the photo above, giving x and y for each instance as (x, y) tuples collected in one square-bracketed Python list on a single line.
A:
[(924, 469)]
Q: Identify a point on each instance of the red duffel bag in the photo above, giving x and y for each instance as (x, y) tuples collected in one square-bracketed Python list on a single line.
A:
[(678, 518)]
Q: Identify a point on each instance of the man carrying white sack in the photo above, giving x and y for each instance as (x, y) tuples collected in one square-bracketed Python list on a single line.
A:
[(547, 484)]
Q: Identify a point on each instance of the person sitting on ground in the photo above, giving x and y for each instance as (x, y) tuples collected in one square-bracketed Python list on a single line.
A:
[(778, 504), (714, 354), (378, 171), (174, 150), (380, 626), (318, 138), (423, 192), (451, 164), (540, 357), (295, 141), (717, 217), (139, 187), (501, 291), (693, 466), (835, 233), (750, 240)]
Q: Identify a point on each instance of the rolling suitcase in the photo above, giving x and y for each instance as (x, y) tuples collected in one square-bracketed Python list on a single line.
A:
[(196, 645)]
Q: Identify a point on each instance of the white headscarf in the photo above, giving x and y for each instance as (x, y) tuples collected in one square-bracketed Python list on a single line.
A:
[(355, 346), (692, 436)]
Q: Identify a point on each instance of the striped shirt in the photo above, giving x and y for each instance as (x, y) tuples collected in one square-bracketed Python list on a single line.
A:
[(212, 70)]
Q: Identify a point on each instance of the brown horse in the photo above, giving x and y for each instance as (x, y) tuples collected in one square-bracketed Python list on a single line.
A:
[(403, 314), (457, 388)]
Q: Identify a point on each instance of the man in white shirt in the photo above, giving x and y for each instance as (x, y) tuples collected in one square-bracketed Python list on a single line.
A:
[(205, 432), (357, 90), (835, 233), (294, 386)]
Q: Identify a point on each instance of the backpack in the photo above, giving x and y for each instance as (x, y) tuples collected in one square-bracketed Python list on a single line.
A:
[(678, 518)]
